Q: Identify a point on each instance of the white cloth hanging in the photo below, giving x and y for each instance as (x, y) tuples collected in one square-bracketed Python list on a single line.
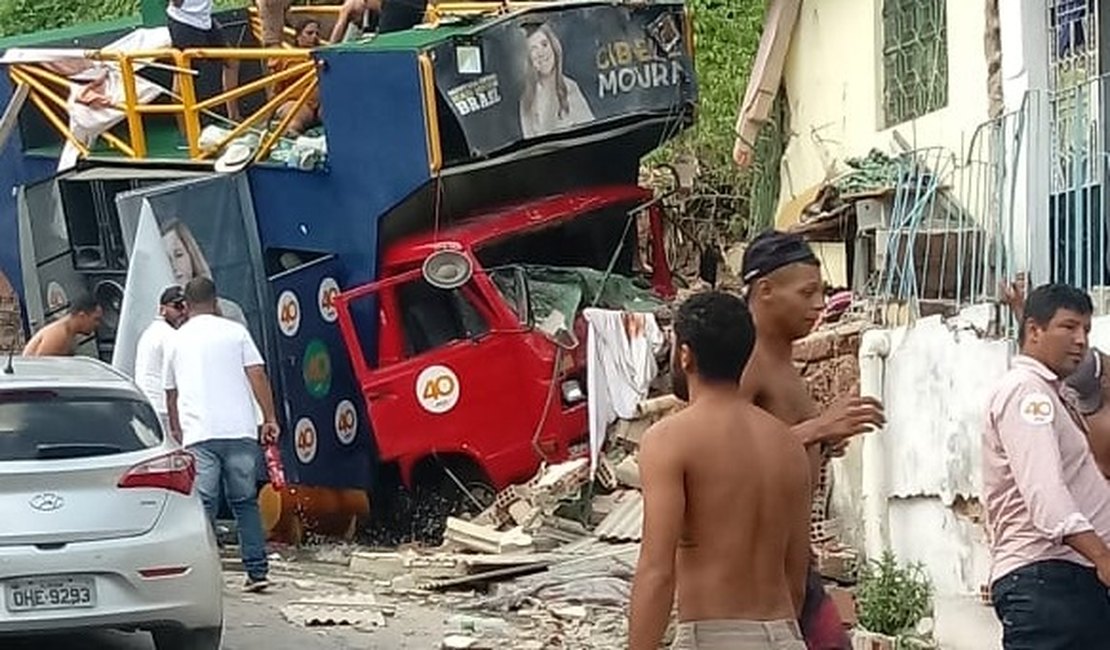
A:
[(620, 366)]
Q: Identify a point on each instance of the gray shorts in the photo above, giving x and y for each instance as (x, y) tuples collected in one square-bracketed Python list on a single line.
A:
[(738, 635)]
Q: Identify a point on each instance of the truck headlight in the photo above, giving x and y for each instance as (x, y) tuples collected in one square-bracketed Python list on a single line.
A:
[(572, 391)]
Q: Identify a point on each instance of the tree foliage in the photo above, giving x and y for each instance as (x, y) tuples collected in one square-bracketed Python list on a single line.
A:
[(25, 16), (726, 40)]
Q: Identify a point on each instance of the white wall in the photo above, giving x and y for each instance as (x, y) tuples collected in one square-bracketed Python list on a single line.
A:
[(935, 383), (833, 77)]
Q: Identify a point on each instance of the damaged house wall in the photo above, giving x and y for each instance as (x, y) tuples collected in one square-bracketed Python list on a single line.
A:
[(834, 82), (934, 381)]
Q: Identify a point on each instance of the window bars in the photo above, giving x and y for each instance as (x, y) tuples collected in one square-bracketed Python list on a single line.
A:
[(915, 59)]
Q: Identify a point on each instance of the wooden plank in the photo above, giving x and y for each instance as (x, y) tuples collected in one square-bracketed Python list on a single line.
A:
[(11, 113)]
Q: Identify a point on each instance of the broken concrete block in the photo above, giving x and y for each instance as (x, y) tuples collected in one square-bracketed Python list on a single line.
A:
[(378, 565), (486, 540), (606, 474), (359, 610), (863, 640), (630, 431), (657, 406), (628, 473), (524, 514), (564, 476), (840, 564), (403, 583), (461, 642), (570, 612)]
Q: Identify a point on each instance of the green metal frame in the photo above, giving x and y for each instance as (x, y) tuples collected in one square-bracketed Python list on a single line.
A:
[(915, 59)]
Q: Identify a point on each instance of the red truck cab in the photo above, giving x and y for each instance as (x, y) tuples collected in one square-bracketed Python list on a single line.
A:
[(465, 379)]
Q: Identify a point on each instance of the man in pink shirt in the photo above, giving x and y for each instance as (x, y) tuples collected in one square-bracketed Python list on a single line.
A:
[(1048, 505)]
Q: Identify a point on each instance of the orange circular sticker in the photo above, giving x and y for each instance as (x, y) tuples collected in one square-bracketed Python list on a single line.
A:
[(1037, 408)]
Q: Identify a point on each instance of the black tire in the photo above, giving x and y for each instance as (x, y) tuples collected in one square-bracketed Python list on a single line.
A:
[(181, 639), (443, 498)]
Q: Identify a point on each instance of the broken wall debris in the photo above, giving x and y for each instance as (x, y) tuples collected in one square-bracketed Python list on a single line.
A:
[(828, 360)]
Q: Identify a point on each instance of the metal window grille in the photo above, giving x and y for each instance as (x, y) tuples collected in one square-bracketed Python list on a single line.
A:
[(1078, 157), (915, 58)]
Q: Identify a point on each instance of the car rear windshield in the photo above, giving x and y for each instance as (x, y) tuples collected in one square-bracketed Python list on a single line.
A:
[(49, 425)]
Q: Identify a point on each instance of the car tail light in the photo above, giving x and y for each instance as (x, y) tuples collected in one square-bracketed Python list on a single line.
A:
[(174, 472)]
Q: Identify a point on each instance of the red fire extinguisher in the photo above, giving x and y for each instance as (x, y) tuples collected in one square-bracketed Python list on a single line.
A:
[(274, 467)]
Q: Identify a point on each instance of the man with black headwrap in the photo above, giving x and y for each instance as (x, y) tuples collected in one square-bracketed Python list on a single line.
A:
[(785, 293)]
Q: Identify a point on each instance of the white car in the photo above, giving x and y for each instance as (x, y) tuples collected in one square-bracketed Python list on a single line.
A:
[(99, 525)]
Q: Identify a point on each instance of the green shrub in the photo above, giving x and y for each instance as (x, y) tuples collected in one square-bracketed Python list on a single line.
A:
[(25, 16), (892, 599)]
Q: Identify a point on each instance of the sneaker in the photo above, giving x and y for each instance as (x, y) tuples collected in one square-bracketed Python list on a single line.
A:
[(256, 585)]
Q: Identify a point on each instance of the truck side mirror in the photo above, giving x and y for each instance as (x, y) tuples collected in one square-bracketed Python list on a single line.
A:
[(447, 268)]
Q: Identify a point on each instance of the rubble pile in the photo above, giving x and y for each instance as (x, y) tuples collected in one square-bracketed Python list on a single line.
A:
[(828, 362), (548, 565), (11, 327)]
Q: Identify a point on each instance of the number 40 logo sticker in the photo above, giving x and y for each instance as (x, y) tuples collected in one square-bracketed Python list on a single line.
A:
[(305, 440), (437, 389), (1037, 408)]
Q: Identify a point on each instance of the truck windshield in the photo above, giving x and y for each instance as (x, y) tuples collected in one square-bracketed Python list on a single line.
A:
[(549, 297)]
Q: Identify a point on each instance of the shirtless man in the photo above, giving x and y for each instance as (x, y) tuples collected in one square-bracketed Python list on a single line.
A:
[(726, 501), (59, 339), (784, 285)]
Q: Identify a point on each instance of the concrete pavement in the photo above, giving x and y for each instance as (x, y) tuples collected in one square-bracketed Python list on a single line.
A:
[(255, 622)]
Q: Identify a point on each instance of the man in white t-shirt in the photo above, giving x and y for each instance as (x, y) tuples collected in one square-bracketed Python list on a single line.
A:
[(150, 352), (191, 26), (214, 373)]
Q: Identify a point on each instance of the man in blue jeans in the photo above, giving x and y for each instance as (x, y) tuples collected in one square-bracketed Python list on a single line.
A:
[(213, 376)]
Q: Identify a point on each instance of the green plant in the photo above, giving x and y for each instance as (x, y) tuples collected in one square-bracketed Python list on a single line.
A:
[(726, 39), (892, 599), (26, 16)]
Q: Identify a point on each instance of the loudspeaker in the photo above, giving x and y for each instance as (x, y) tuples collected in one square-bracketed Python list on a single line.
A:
[(109, 294)]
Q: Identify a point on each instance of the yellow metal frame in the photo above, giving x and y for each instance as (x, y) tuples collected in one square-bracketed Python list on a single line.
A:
[(431, 115), (436, 11), (301, 77), (49, 90)]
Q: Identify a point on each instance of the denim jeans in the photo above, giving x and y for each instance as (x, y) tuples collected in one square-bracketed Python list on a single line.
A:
[(1052, 605), (232, 464)]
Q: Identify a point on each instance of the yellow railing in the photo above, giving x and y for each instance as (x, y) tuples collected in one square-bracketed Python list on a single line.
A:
[(49, 93), (434, 12), (437, 10)]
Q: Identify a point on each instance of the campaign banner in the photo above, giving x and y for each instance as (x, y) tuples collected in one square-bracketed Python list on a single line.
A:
[(541, 73)]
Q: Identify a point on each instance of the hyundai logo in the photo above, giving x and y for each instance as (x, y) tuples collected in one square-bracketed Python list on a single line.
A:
[(47, 502)]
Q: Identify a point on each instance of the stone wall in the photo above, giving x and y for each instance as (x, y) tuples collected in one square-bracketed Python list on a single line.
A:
[(11, 329), (829, 361)]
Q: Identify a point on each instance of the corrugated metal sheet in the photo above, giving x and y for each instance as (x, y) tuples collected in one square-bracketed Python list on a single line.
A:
[(625, 522)]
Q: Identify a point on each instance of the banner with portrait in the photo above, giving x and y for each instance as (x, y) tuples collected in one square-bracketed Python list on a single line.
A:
[(547, 72), (202, 228)]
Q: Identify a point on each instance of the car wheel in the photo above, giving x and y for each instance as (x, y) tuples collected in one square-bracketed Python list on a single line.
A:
[(177, 639)]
